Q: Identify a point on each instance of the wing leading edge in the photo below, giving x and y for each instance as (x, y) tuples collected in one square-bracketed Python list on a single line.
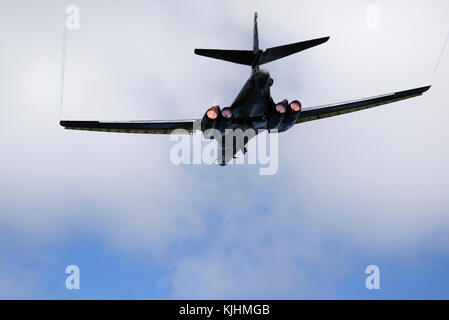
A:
[(145, 127), (326, 111)]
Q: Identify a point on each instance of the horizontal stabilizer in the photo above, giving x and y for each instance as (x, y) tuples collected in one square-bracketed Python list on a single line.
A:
[(276, 53), (245, 57), (252, 58)]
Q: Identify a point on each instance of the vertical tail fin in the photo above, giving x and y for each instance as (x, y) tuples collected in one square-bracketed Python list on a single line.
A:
[(256, 35), (256, 45)]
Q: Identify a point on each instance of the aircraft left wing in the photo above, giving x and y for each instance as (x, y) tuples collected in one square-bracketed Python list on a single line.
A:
[(315, 113), (145, 127)]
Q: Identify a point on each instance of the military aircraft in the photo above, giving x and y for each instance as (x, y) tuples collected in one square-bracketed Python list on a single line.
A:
[(253, 108)]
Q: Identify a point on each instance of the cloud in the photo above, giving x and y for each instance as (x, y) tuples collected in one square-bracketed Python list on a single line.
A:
[(16, 283), (374, 180)]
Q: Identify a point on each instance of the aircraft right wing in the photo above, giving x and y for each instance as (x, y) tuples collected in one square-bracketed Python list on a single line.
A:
[(315, 113)]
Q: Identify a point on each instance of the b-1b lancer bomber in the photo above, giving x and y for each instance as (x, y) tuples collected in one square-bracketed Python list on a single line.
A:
[(253, 108)]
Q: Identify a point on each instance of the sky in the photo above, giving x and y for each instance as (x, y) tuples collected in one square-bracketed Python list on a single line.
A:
[(367, 188)]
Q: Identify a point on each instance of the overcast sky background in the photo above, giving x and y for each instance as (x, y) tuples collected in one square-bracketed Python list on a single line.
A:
[(365, 188)]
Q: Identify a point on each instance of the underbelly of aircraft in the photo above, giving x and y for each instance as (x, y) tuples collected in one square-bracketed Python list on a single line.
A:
[(251, 106)]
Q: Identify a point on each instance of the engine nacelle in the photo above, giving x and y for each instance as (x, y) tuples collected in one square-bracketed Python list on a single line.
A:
[(295, 105), (294, 109), (276, 115), (214, 118), (284, 115), (210, 118), (226, 113)]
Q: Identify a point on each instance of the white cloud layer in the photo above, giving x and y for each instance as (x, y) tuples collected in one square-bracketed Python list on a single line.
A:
[(376, 180)]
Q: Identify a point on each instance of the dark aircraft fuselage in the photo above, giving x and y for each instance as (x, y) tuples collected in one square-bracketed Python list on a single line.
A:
[(254, 98), (253, 108)]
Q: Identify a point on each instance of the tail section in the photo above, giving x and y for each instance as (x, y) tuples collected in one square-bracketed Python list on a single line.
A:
[(257, 54), (245, 57), (276, 53), (255, 36), (258, 57)]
